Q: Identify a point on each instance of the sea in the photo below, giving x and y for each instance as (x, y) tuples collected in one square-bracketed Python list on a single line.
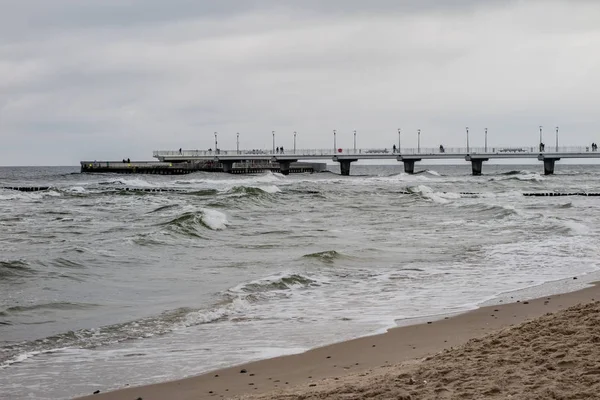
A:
[(109, 280)]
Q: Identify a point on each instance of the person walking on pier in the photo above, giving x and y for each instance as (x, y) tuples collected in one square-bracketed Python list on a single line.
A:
[(393, 148), (281, 150)]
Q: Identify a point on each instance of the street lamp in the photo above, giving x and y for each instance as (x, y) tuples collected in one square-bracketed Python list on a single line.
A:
[(273, 132), (541, 140), (467, 139), (418, 141), (557, 139), (399, 141), (486, 140), (334, 144), (294, 142), (355, 141), (216, 143), (238, 143)]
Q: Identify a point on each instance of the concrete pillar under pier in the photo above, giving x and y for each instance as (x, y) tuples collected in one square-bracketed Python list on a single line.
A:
[(345, 166), (227, 166), (549, 165), (476, 164), (284, 167), (409, 165)]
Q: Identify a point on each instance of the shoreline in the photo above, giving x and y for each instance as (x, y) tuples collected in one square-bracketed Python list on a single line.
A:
[(362, 355)]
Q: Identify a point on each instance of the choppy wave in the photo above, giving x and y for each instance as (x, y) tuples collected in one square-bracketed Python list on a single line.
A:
[(325, 256), (253, 191), (15, 269), (428, 193), (134, 182), (285, 282), (191, 223), (523, 175), (93, 338), (496, 211), (46, 306), (234, 302)]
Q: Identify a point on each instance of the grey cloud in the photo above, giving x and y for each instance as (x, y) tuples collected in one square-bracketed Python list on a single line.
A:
[(112, 79)]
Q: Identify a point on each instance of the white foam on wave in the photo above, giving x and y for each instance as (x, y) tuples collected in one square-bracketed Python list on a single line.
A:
[(270, 189), (8, 194), (428, 193), (215, 220), (249, 180), (22, 357), (136, 182), (76, 189)]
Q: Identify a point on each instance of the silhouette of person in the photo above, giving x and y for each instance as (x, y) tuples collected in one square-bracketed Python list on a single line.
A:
[(393, 148)]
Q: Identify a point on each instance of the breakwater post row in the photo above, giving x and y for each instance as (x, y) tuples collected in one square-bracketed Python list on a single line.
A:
[(345, 157)]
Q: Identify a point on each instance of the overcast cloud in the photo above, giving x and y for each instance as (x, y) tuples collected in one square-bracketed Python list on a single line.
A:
[(108, 79)]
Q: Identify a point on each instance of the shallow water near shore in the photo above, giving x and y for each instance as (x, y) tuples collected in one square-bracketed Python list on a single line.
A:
[(104, 285)]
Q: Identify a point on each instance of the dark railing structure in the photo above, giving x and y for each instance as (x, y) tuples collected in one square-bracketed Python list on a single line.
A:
[(229, 159)]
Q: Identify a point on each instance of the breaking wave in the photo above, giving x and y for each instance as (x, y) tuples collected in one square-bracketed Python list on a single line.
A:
[(325, 256), (192, 223), (15, 269)]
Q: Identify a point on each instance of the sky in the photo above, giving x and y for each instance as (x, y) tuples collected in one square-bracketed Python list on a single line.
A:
[(114, 79)]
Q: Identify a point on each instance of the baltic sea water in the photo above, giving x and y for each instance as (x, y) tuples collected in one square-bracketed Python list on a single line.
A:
[(104, 285)]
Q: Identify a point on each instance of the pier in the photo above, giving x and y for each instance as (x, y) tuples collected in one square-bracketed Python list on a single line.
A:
[(183, 166), (230, 160)]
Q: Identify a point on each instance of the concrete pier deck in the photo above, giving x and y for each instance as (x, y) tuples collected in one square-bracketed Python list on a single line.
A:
[(187, 166), (408, 156)]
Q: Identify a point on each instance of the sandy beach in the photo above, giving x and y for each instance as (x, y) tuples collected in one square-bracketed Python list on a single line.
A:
[(531, 348)]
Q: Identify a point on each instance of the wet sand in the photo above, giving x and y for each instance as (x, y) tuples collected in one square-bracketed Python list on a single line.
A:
[(437, 359)]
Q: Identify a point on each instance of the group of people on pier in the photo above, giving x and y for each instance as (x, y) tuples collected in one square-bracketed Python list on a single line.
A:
[(279, 150)]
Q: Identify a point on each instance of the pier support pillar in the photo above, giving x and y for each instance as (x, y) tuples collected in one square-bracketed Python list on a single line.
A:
[(476, 164), (409, 166), (549, 165), (345, 166), (284, 167), (227, 166)]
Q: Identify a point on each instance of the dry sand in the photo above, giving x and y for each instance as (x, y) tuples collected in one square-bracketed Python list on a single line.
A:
[(477, 355)]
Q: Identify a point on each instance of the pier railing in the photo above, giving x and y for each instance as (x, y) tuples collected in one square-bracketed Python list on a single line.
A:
[(376, 150)]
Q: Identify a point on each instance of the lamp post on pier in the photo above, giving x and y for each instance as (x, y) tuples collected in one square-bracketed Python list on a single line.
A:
[(486, 140), (467, 139), (216, 143), (238, 143), (399, 130), (541, 140), (334, 142), (294, 142), (419, 141), (557, 139), (273, 132), (355, 141)]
